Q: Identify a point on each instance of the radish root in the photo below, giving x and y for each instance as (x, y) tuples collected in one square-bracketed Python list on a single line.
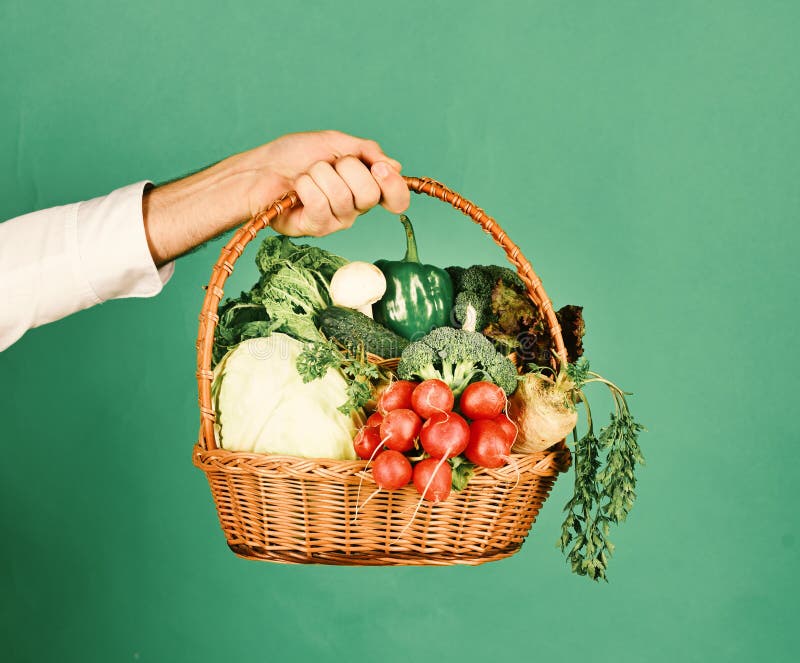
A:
[(421, 498), (361, 480)]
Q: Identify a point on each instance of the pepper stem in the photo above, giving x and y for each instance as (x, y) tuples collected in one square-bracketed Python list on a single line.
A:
[(411, 242)]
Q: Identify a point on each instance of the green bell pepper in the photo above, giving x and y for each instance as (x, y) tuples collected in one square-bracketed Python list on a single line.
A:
[(418, 297)]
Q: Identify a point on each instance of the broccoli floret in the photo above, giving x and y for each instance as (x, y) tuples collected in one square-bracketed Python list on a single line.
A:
[(457, 357), (508, 276), (455, 276), (503, 372), (473, 300), (472, 307), (417, 362), (471, 311)]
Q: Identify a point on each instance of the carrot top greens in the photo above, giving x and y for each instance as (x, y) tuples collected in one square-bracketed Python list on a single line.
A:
[(605, 479)]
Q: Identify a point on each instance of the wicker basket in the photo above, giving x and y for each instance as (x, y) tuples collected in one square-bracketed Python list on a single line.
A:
[(298, 510)]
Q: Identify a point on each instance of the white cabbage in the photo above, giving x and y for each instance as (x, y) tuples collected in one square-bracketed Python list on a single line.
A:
[(263, 405)]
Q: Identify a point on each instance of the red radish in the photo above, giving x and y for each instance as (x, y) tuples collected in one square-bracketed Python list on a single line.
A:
[(400, 428), (506, 424), (366, 441), (374, 420), (482, 400), (391, 470), (444, 435), (396, 396), (489, 445), (432, 478), (430, 397)]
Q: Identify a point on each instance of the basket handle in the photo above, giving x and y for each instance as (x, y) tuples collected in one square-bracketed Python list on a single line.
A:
[(233, 250)]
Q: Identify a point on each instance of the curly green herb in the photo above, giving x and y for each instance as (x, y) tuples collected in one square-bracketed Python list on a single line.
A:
[(318, 356), (605, 479)]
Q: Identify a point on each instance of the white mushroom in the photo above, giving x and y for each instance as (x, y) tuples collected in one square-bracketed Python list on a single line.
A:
[(358, 285)]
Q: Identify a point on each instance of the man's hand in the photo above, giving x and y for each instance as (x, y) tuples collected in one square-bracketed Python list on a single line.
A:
[(336, 176)]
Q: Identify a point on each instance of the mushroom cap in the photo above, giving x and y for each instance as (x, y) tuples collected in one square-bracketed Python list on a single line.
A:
[(357, 284)]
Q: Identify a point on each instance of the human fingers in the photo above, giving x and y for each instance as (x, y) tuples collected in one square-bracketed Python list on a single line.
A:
[(338, 192), (364, 149), (365, 190), (395, 195), (315, 218)]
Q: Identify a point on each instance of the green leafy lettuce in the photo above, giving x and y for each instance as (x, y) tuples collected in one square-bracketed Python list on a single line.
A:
[(291, 291)]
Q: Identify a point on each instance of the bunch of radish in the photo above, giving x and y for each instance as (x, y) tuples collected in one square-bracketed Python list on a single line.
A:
[(416, 431)]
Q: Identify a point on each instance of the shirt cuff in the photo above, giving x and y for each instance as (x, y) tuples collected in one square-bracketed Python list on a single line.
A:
[(114, 256)]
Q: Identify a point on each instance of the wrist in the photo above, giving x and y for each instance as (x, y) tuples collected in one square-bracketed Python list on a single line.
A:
[(254, 180), (187, 212)]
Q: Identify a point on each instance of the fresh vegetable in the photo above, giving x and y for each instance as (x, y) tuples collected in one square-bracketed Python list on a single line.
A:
[(494, 301), (366, 441), (399, 429), (508, 426), (489, 444), (292, 289), (570, 319), (264, 406), (239, 320), (518, 325), (515, 323), (319, 357), (543, 410), (482, 400), (431, 397), (358, 285), (354, 330), (433, 479), (444, 435), (374, 420), (396, 396), (457, 357), (605, 479), (462, 471), (391, 470), (418, 297), (472, 307)]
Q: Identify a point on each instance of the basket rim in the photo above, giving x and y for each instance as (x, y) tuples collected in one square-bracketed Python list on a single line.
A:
[(549, 462)]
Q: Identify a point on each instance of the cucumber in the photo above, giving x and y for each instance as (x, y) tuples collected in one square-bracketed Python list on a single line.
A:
[(353, 329)]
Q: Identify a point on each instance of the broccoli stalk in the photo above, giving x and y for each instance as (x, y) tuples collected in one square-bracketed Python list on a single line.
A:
[(457, 357)]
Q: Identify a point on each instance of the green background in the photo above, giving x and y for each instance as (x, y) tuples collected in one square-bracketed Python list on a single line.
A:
[(644, 155)]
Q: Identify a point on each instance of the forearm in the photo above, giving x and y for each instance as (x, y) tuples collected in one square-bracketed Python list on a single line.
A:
[(185, 213)]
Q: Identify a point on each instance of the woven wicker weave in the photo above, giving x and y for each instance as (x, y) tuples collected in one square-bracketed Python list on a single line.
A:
[(297, 510)]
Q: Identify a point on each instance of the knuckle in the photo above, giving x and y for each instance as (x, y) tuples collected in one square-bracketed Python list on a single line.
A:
[(347, 160), (371, 195), (318, 168), (303, 181), (343, 199)]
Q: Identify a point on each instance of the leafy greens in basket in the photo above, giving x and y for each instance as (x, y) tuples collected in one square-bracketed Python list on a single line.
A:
[(292, 290)]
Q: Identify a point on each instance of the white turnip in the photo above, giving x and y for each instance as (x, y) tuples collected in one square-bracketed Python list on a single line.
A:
[(543, 410)]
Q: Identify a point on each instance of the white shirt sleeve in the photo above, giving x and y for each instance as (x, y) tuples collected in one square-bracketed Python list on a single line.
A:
[(65, 259)]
